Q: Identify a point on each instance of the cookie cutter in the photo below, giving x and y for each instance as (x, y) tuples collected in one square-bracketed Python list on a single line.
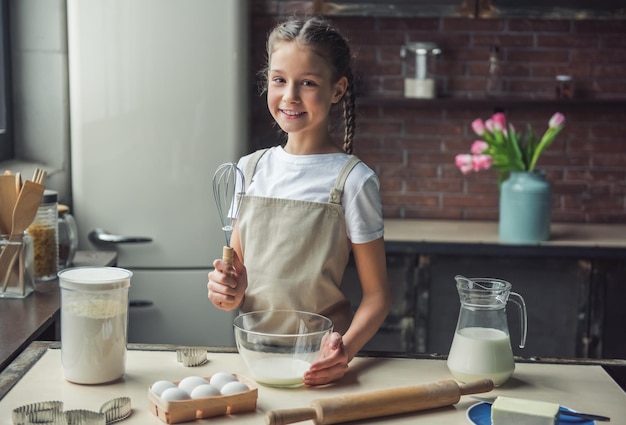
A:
[(51, 413), (191, 357)]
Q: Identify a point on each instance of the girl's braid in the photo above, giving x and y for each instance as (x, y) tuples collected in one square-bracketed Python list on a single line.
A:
[(349, 114)]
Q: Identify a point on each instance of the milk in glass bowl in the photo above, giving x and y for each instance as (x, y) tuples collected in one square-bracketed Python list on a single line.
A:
[(279, 346)]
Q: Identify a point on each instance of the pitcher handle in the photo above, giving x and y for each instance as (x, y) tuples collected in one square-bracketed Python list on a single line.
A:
[(517, 299)]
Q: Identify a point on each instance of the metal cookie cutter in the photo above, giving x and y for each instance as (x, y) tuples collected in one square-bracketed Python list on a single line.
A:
[(81, 417), (51, 413), (116, 410), (191, 356), (46, 412)]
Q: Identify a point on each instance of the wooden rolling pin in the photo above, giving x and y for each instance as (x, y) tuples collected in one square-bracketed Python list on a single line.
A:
[(379, 403)]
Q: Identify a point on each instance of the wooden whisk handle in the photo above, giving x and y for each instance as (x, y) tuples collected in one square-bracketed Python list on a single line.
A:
[(227, 255)]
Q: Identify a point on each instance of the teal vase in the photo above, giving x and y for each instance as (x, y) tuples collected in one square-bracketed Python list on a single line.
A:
[(525, 208)]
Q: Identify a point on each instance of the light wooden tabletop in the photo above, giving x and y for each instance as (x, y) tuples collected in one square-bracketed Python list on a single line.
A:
[(581, 387)]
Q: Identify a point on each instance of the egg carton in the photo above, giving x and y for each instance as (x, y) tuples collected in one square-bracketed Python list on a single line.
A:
[(172, 412)]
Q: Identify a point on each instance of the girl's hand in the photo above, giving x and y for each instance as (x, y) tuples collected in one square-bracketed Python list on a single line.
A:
[(227, 284), (332, 365)]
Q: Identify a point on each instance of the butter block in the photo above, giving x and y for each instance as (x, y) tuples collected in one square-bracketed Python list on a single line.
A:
[(518, 411)]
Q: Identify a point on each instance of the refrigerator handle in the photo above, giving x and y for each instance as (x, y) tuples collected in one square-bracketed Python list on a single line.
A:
[(102, 237), (140, 303)]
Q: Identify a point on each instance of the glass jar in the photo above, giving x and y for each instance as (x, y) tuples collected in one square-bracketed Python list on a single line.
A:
[(421, 83), (16, 266), (564, 87), (68, 237), (494, 86), (44, 231)]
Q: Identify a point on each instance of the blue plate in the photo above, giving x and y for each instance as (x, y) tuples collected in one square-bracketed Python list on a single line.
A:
[(480, 414)]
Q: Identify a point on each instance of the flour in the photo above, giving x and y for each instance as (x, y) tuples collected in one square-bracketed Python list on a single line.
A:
[(93, 337)]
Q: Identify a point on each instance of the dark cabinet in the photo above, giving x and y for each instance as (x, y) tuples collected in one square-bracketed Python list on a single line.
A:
[(555, 292), (397, 334), (575, 305), (608, 306)]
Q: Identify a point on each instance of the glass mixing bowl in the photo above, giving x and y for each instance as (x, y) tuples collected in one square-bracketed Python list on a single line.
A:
[(278, 346)]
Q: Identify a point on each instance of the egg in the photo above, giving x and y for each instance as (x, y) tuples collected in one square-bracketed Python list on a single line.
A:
[(205, 390), (221, 378), (234, 387), (159, 386), (174, 394), (191, 382)]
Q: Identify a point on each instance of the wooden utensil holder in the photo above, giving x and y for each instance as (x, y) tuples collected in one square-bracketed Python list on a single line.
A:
[(172, 412)]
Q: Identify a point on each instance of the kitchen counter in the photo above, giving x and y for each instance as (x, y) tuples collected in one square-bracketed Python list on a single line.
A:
[(36, 376), (23, 320), (481, 238)]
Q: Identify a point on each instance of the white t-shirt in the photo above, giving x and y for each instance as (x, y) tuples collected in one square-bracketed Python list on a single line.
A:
[(311, 177)]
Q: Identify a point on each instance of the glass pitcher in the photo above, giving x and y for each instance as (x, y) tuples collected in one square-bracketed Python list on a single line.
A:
[(481, 348)]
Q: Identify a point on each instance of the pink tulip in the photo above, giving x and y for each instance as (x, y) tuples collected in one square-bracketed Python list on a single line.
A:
[(489, 125), (464, 162), (498, 137), (557, 120), (505, 130), (499, 121), (481, 162), (478, 126), (478, 147)]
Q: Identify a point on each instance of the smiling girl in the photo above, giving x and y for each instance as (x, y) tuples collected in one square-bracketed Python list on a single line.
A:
[(308, 202)]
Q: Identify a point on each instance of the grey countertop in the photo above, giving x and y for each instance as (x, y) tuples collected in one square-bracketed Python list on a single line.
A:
[(481, 238)]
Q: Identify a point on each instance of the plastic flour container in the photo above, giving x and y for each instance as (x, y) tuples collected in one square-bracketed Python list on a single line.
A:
[(94, 322)]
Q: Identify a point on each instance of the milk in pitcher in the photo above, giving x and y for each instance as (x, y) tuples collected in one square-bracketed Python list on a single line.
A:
[(481, 353), (481, 347)]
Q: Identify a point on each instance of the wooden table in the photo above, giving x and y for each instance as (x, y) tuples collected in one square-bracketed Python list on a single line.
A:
[(23, 320), (36, 376)]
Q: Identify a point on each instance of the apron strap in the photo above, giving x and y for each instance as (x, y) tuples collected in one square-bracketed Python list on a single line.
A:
[(337, 191), (251, 166)]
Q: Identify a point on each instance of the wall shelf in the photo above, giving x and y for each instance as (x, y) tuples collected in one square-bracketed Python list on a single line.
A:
[(450, 102), (544, 9)]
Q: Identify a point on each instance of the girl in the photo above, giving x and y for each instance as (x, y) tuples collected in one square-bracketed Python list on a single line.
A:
[(308, 202)]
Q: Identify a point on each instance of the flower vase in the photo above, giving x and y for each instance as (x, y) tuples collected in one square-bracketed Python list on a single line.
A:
[(525, 208)]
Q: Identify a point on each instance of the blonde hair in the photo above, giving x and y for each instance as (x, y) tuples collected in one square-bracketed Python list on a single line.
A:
[(318, 34)]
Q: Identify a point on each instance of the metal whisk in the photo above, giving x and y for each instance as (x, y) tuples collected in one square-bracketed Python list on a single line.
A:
[(228, 190)]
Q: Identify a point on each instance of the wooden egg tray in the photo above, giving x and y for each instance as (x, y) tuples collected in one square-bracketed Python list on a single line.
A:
[(172, 412)]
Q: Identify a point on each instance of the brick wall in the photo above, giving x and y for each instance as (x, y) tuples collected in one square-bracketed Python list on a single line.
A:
[(411, 145)]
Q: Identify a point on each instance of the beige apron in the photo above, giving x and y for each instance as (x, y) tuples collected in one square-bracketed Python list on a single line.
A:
[(296, 252)]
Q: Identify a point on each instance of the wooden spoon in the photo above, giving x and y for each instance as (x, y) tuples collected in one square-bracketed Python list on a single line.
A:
[(18, 183), (26, 206), (8, 196), (23, 215)]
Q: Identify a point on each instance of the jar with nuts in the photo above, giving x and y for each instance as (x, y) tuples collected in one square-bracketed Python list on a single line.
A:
[(44, 232)]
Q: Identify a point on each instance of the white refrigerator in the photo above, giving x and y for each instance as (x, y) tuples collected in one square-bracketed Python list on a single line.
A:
[(157, 99)]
